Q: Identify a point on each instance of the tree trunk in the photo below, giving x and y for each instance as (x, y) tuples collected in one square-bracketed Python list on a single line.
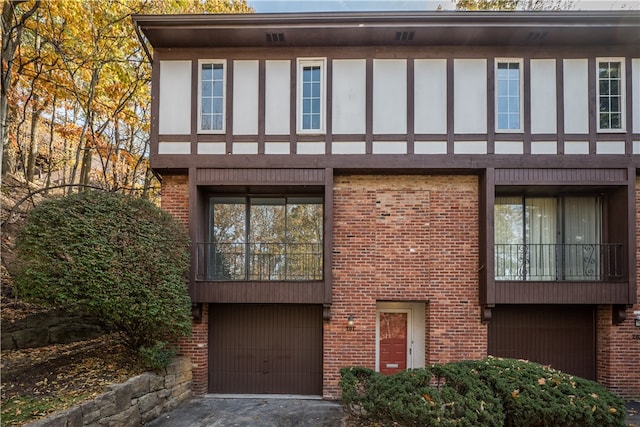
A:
[(33, 144)]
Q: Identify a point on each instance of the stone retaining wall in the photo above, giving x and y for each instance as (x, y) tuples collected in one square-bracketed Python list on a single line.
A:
[(134, 402)]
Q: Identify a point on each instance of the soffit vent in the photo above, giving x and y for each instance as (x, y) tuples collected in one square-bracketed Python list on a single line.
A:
[(536, 36), (404, 36), (275, 37)]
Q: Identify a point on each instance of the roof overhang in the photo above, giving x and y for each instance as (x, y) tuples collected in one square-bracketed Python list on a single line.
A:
[(391, 29)]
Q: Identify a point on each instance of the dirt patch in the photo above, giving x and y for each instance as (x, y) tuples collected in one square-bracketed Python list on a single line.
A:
[(39, 381)]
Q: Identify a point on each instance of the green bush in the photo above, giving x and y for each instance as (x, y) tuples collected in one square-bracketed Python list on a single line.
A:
[(118, 258), (419, 397), (158, 356), (488, 392), (536, 395)]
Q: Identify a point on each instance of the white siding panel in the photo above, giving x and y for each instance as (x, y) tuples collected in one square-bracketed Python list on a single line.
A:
[(277, 97), (174, 117), (430, 96), (277, 148), (576, 147), (635, 88), (389, 147), (389, 96), (470, 147), (245, 148), (212, 147), (543, 96), (636, 147), (576, 96), (348, 147), (174, 148), (310, 148), (430, 147), (349, 96), (508, 147), (544, 147), (470, 95), (245, 97), (610, 147)]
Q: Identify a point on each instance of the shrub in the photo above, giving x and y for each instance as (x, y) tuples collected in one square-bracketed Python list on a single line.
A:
[(537, 395), (489, 392), (115, 257), (419, 397)]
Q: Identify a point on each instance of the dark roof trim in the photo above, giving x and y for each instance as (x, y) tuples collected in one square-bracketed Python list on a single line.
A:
[(379, 28)]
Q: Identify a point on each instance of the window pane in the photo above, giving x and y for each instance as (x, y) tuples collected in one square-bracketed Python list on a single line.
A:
[(604, 87), (315, 121), (514, 121), (615, 104), (503, 121), (604, 104), (616, 121), (306, 106), (207, 71), (217, 122), (604, 121), (218, 88), (315, 73), (306, 90), (205, 122), (315, 106), (226, 255), (217, 105), (603, 70), (306, 121), (503, 87), (614, 87), (514, 88), (514, 104), (207, 88), (614, 69), (315, 90)]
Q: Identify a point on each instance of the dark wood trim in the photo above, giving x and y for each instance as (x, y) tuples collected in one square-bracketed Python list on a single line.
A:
[(369, 105), (628, 146), (193, 227), (229, 108), (410, 105), (262, 87), (430, 137), (632, 243), (348, 137), (526, 105), (307, 292), (293, 106), (560, 103), (193, 138), (491, 106), (593, 127), (551, 176), (486, 230), (450, 106), (155, 106), (212, 137), (328, 236), (363, 162), (561, 292), (260, 176), (176, 138), (329, 106)]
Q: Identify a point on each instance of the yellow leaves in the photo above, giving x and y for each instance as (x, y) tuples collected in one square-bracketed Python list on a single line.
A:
[(515, 393), (613, 410), (429, 399), (542, 381)]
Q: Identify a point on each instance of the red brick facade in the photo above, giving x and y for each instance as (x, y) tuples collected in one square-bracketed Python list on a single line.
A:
[(411, 239), (404, 238), (619, 345)]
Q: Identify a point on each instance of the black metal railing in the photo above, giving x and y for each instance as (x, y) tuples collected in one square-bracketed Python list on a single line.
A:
[(259, 261), (559, 262)]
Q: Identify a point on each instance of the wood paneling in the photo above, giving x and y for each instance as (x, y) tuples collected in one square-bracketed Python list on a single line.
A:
[(265, 349), (260, 292), (561, 292), (532, 176), (560, 336), (258, 176)]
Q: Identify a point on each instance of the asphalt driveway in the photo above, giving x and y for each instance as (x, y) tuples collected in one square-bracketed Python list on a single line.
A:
[(209, 411)]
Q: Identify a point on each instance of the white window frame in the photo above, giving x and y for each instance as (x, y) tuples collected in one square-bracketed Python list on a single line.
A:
[(310, 62), (222, 62), (520, 63), (623, 95)]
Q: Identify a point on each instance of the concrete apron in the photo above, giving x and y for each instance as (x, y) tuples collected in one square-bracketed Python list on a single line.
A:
[(253, 410)]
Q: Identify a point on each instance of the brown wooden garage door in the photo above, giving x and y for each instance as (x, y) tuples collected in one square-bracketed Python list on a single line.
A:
[(561, 336), (265, 349)]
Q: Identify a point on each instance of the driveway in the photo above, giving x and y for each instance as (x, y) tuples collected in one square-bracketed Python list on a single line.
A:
[(210, 411)]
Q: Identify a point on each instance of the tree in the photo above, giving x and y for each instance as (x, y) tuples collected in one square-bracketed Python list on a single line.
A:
[(118, 258)]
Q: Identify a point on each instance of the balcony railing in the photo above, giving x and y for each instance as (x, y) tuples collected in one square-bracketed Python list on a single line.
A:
[(259, 261), (559, 262)]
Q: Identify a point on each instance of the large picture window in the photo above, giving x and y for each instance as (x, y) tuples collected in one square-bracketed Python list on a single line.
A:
[(552, 239), (265, 238), (610, 95), (509, 95), (211, 102)]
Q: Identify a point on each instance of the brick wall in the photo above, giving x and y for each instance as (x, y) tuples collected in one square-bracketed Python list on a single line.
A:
[(404, 238), (618, 352), (175, 200)]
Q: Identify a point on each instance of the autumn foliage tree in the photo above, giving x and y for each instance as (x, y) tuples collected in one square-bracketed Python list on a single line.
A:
[(75, 82)]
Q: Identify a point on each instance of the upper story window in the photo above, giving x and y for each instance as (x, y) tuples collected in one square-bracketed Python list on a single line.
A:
[(263, 238), (211, 100), (610, 86), (553, 239), (311, 95), (509, 95)]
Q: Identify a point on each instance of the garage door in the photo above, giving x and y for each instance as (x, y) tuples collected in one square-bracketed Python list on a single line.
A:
[(265, 349), (561, 336)]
